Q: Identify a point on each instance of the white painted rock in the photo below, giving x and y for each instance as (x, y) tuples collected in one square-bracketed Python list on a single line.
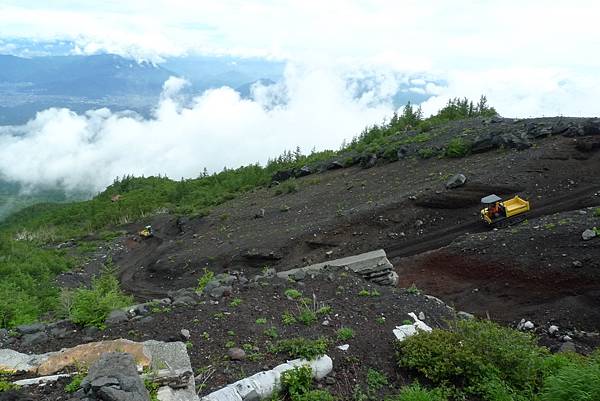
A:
[(408, 330)]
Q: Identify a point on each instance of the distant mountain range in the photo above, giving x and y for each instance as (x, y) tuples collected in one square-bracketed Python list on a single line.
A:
[(81, 83), (28, 85)]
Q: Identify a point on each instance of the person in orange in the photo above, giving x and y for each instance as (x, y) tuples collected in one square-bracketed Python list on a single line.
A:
[(494, 210)]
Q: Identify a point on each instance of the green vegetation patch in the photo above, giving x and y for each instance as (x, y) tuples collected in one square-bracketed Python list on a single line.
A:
[(300, 347), (90, 307), (484, 360)]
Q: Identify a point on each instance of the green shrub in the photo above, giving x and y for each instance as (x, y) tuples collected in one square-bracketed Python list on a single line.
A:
[(204, 280), (458, 147), (75, 383), (6, 386), (297, 381), (575, 379), (300, 347), (288, 318), (597, 212), (90, 307), (415, 392), (235, 302), (376, 380), (152, 388), (292, 293), (345, 333), (476, 357), (426, 153), (307, 316)]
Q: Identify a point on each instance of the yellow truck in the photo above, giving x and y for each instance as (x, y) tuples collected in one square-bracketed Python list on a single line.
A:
[(146, 232), (503, 213)]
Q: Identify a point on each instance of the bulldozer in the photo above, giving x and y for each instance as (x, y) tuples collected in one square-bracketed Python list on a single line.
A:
[(146, 232), (500, 213)]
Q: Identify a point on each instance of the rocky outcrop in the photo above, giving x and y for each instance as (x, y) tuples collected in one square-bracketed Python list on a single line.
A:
[(113, 377), (373, 266), (168, 365)]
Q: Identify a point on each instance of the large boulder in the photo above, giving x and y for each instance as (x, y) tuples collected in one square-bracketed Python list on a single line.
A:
[(456, 181), (114, 377)]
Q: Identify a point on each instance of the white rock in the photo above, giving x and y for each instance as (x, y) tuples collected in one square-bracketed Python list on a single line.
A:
[(552, 329), (343, 347), (264, 384), (588, 234), (528, 325), (40, 380), (408, 330)]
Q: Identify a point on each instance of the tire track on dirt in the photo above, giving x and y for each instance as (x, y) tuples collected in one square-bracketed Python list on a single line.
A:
[(572, 201)]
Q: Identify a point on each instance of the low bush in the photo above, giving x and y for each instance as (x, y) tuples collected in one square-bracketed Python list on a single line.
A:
[(90, 307), (477, 357), (301, 347), (206, 278), (75, 383), (345, 334), (296, 385), (458, 147)]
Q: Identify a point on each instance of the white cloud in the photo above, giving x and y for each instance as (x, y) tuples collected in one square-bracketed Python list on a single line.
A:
[(523, 92), (86, 152)]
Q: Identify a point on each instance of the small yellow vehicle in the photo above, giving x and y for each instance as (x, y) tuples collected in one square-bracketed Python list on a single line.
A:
[(499, 213), (147, 232)]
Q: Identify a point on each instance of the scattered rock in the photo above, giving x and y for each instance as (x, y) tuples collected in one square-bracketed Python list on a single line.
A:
[(577, 263), (456, 181), (368, 161), (29, 340), (303, 172), (465, 315), (91, 331), (185, 334), (588, 234), (184, 297), (31, 328), (236, 354), (114, 377), (525, 325), (334, 165), (221, 291), (260, 214), (567, 347), (116, 317), (421, 316), (344, 347), (553, 330)]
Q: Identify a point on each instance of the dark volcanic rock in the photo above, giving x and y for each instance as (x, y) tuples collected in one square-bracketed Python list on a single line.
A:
[(592, 127), (114, 377)]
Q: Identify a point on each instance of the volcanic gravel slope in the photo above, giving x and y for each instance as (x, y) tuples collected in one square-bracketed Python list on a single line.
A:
[(432, 235)]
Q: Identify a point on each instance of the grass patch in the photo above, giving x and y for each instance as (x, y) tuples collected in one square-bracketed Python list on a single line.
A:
[(458, 147), (345, 334), (292, 293), (368, 293), (301, 347), (206, 278)]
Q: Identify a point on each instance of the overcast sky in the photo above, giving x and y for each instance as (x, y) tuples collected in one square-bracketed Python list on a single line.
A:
[(531, 58)]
